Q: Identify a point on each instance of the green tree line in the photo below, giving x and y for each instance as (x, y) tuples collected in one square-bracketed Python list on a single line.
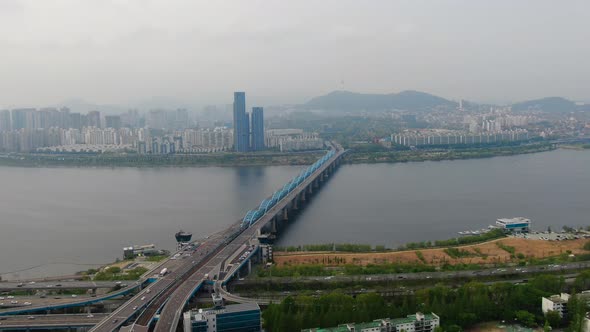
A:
[(459, 307)]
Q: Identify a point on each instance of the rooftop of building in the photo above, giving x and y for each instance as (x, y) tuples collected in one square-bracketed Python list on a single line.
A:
[(515, 220), (227, 309), (376, 323), (346, 327), (559, 298), (413, 318)]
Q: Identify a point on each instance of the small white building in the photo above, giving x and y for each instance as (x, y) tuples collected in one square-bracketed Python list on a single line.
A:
[(412, 323), (555, 303), (514, 225), (559, 302)]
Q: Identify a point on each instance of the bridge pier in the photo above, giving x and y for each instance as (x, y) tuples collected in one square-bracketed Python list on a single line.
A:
[(285, 214), (296, 203), (309, 189), (303, 196)]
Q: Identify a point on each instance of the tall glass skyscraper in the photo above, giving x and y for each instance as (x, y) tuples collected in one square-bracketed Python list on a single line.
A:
[(257, 129), (241, 123)]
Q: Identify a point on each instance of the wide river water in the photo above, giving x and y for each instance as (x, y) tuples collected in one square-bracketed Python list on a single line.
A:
[(57, 220)]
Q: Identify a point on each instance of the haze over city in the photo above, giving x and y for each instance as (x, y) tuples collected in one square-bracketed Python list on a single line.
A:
[(294, 166), (196, 52)]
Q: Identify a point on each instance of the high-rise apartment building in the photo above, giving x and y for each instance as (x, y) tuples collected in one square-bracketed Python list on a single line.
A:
[(257, 129), (93, 119), (156, 119), (112, 121), (241, 123), (23, 118), (76, 121), (5, 124)]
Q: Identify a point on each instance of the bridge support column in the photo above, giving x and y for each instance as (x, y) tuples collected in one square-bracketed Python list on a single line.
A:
[(273, 225), (296, 203), (285, 214), (303, 196), (249, 266), (309, 188)]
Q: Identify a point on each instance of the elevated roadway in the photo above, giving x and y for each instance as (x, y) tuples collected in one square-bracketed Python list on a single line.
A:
[(489, 273), (156, 293), (45, 285), (49, 322), (74, 302)]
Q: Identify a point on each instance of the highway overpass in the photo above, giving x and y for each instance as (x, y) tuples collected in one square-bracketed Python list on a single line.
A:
[(49, 322), (45, 285)]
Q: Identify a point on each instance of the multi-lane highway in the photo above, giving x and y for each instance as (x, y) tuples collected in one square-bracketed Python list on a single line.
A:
[(46, 285), (149, 297), (25, 322), (503, 273), (71, 302)]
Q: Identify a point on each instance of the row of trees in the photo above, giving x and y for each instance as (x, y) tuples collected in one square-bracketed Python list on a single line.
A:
[(351, 247), (111, 159), (436, 155), (344, 247), (458, 307), (491, 235)]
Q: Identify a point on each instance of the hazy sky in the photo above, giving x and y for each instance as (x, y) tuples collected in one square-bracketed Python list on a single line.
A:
[(123, 52)]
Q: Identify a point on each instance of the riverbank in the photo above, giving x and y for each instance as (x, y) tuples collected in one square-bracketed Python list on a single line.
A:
[(575, 146), (444, 154), (260, 159), (178, 160)]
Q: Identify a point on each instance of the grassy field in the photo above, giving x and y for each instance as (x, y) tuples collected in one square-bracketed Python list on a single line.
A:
[(491, 252)]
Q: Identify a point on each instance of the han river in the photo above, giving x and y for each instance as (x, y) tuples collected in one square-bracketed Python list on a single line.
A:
[(61, 220)]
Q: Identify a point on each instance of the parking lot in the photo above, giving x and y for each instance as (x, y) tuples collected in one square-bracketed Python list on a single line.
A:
[(550, 236)]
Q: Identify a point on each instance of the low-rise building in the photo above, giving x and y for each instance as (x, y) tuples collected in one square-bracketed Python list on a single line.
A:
[(293, 140), (143, 250), (559, 302), (514, 225), (556, 303), (418, 322), (244, 317)]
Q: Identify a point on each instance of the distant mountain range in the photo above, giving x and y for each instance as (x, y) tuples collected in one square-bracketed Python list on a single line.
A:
[(420, 101), (342, 101), (549, 104), (353, 101)]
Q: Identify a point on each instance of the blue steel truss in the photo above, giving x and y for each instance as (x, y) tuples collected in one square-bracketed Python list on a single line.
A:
[(253, 215), (266, 205)]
